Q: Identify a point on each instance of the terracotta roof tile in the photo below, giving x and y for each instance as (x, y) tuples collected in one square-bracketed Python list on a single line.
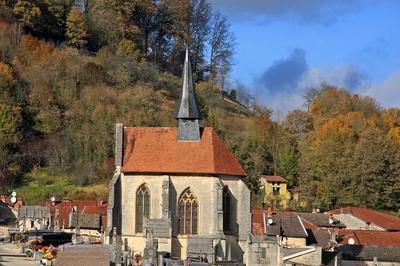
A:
[(370, 238), (84, 206), (274, 178), (156, 150), (386, 221)]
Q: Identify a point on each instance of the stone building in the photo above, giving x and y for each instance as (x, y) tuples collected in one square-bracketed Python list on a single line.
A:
[(280, 238), (275, 191), (33, 217), (179, 186)]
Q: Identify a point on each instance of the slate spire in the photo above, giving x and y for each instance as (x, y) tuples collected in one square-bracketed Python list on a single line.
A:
[(188, 113)]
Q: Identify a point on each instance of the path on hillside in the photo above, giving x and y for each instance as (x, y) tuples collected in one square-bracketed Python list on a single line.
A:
[(10, 255)]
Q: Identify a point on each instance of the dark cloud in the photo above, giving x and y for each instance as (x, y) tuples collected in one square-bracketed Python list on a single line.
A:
[(282, 84), (285, 74), (320, 11)]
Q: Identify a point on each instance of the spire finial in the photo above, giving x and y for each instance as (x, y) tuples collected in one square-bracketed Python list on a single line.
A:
[(188, 113)]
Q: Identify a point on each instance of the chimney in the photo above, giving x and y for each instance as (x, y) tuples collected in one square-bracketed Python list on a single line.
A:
[(269, 211), (314, 210), (100, 202), (19, 203)]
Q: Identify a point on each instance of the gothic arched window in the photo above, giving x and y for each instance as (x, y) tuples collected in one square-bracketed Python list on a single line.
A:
[(188, 210), (226, 207), (142, 206)]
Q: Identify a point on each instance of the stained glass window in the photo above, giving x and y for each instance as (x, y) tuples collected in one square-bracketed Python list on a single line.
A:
[(188, 213), (226, 207)]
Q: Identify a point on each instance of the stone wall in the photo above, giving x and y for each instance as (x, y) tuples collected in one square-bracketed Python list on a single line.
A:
[(311, 259)]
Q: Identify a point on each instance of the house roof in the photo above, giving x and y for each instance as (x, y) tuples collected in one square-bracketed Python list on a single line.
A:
[(386, 221), (156, 150), (320, 238), (320, 220), (274, 178), (383, 245), (375, 238), (34, 212), (90, 213), (288, 222), (368, 253)]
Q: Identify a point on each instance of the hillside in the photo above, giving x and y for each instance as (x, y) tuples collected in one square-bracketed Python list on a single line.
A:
[(60, 97)]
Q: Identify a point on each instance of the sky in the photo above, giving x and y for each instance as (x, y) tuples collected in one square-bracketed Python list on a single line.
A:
[(284, 47)]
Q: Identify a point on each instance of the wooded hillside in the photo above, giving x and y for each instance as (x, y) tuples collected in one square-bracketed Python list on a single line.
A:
[(68, 74)]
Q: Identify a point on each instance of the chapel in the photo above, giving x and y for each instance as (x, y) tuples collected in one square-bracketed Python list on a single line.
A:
[(179, 186)]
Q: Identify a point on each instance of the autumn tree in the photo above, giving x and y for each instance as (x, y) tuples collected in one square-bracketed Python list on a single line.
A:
[(76, 29), (43, 18), (221, 45)]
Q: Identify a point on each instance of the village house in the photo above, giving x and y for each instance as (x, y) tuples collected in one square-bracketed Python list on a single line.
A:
[(33, 218), (280, 238), (369, 247), (87, 215), (275, 191), (179, 191)]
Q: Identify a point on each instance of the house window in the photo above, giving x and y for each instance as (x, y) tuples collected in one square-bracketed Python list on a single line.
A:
[(263, 253), (275, 190), (226, 207), (142, 206), (188, 213)]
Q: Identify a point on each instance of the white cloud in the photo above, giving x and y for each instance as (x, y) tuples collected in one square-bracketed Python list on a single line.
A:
[(387, 93), (344, 76)]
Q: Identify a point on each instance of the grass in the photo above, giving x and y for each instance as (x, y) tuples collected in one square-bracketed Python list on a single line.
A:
[(41, 184)]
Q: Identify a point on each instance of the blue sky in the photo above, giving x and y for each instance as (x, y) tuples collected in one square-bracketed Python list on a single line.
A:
[(287, 46)]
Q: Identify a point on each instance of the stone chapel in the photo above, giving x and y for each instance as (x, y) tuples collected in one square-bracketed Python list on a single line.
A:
[(181, 186)]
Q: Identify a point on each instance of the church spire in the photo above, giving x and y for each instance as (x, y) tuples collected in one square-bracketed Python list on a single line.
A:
[(188, 113)]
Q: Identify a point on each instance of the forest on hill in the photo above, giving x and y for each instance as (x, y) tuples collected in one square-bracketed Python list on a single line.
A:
[(69, 71)]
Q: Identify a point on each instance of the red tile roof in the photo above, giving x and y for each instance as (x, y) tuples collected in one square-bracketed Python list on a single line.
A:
[(386, 221), (370, 238), (84, 207), (156, 150), (274, 178), (258, 222)]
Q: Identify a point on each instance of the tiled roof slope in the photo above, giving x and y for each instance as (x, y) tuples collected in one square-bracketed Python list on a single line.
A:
[(84, 207), (386, 221), (320, 220), (274, 178), (156, 150), (289, 222), (370, 238)]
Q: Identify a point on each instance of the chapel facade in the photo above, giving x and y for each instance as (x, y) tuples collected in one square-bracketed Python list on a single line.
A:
[(180, 186)]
